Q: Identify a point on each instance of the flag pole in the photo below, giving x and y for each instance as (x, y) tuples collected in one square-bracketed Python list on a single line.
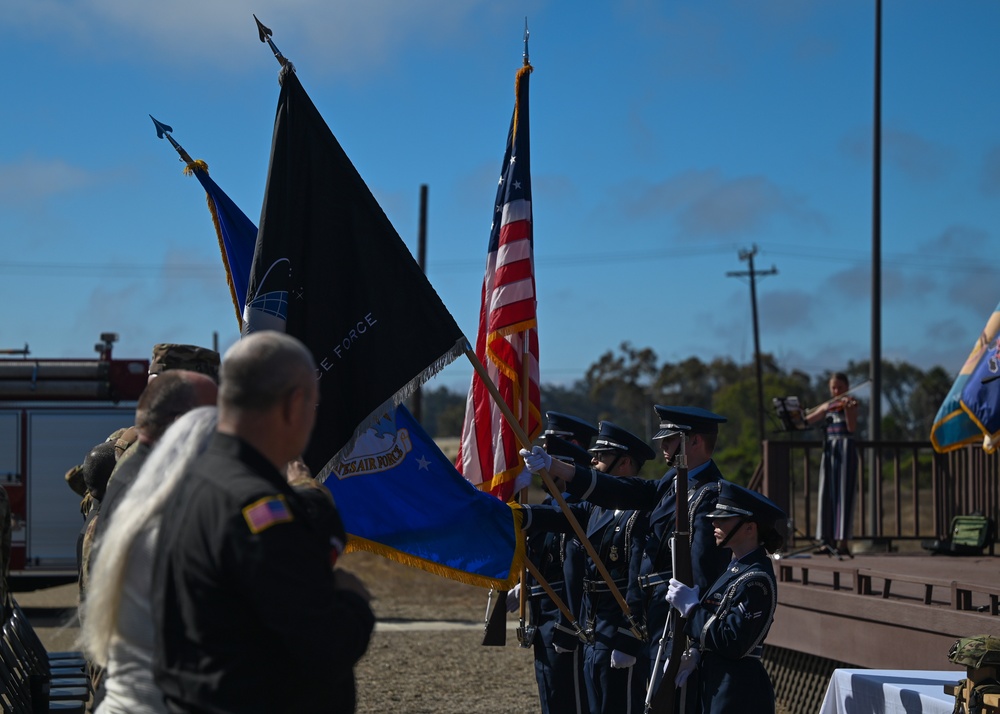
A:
[(190, 166), (523, 495), (555, 599), (573, 522), (265, 36), (163, 131), (526, 418)]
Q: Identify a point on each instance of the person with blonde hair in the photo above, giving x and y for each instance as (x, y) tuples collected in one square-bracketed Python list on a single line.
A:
[(117, 625)]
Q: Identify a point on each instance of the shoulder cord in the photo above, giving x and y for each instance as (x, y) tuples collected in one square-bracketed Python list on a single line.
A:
[(731, 593)]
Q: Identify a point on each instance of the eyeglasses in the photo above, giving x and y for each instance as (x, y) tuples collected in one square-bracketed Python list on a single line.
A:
[(607, 456)]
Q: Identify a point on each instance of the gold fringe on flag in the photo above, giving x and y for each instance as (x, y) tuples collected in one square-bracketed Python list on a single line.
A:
[(189, 169), (354, 543)]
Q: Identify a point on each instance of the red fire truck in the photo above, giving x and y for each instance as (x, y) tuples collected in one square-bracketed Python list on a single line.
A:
[(52, 411)]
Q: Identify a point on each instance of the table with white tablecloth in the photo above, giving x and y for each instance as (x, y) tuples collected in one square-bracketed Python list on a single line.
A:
[(890, 691)]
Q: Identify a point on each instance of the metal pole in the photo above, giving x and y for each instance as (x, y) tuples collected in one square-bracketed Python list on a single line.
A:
[(418, 397), (875, 406)]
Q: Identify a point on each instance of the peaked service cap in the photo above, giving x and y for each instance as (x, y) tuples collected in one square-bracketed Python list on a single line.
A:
[(569, 427), (559, 448), (674, 420), (612, 437)]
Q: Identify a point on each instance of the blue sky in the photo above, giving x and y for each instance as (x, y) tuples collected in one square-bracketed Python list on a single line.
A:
[(666, 137)]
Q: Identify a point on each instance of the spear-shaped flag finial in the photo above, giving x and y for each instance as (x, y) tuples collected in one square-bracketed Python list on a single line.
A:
[(526, 62), (163, 130), (265, 36), (236, 233)]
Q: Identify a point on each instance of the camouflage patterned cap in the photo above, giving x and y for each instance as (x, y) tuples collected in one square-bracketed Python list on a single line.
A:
[(168, 356), (979, 651)]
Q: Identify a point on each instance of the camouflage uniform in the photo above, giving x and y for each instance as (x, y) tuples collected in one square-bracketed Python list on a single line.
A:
[(166, 356), (981, 686), (172, 356)]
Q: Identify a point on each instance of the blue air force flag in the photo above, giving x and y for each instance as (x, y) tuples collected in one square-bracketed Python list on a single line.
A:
[(400, 497)]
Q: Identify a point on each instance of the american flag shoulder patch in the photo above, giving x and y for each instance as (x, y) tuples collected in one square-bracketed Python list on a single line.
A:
[(266, 512)]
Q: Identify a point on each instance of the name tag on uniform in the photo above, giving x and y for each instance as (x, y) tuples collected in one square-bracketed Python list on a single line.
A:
[(271, 510)]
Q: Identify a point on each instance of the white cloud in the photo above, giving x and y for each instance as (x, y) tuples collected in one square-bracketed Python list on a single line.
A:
[(31, 180), (909, 153), (708, 203), (335, 38)]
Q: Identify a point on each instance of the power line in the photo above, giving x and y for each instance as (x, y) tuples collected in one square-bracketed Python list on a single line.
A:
[(198, 271)]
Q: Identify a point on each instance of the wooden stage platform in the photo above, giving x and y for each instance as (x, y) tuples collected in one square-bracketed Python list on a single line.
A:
[(885, 610)]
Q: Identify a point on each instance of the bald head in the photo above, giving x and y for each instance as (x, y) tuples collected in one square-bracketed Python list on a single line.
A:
[(268, 394), (259, 370), (169, 396)]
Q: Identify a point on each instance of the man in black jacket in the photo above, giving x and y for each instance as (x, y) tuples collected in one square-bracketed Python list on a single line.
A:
[(249, 615)]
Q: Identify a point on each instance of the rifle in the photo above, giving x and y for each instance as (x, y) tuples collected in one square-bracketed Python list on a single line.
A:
[(661, 696)]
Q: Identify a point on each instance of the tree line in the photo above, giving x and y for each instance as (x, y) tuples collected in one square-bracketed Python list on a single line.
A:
[(623, 385)]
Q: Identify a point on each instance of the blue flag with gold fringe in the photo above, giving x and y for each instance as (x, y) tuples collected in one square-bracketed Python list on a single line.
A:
[(981, 395), (953, 426), (400, 497), (237, 234)]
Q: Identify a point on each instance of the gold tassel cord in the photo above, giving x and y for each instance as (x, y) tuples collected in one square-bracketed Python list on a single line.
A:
[(526, 69)]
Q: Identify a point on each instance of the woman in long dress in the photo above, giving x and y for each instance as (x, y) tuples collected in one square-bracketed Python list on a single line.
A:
[(838, 471)]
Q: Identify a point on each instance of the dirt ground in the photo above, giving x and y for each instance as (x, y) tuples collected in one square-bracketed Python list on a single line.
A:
[(425, 656), (436, 670), (436, 666)]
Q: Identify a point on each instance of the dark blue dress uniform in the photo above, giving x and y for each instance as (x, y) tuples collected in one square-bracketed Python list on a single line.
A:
[(735, 614), (647, 593), (561, 688), (618, 538)]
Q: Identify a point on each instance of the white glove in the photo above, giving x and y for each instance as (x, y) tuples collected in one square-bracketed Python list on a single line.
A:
[(522, 481), (682, 597), (514, 598), (536, 459), (620, 660), (560, 650), (689, 663)]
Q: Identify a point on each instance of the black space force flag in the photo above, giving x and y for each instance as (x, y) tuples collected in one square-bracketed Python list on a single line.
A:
[(331, 270)]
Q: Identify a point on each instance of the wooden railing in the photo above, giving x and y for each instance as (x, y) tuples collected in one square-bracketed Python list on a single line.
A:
[(906, 491)]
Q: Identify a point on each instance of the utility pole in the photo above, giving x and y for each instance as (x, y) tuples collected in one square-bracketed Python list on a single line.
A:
[(748, 255)]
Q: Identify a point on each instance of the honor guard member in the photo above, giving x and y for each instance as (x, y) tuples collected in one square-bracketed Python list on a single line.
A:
[(558, 656), (571, 428), (708, 561), (728, 625), (615, 661)]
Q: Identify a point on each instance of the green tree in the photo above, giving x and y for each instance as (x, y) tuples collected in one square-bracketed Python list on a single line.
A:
[(620, 384)]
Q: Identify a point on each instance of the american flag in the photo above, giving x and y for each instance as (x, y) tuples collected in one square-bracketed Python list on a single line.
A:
[(507, 342)]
